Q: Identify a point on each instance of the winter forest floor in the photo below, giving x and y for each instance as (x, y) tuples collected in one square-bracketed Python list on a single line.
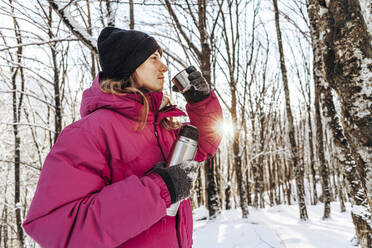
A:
[(277, 227)]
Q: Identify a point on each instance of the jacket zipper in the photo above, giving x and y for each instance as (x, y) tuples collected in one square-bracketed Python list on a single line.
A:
[(157, 137)]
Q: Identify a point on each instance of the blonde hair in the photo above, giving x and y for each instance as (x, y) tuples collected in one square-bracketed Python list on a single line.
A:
[(124, 87)]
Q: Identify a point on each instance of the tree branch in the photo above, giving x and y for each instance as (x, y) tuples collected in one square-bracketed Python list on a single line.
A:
[(78, 31), (179, 27), (38, 43)]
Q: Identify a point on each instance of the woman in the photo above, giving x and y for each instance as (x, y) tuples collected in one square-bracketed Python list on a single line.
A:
[(98, 186)]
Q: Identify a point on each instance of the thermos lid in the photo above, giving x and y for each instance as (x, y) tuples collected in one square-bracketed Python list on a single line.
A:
[(189, 131)]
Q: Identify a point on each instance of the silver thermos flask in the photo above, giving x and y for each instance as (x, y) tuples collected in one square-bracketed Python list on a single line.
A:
[(183, 149)]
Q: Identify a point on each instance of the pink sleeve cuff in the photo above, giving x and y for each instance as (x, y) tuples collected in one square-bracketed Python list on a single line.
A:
[(164, 193)]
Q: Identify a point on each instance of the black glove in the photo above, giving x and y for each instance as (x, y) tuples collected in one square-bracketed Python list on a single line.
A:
[(199, 89), (178, 178)]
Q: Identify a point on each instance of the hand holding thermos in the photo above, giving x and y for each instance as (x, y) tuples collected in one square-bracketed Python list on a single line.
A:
[(178, 178), (191, 84)]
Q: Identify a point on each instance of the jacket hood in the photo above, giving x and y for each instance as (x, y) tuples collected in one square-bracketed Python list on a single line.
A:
[(129, 105)]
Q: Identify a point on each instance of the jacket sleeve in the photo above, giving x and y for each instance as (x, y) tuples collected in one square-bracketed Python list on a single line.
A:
[(206, 115), (75, 205)]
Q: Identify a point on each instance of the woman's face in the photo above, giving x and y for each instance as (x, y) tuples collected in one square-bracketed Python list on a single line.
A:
[(150, 74)]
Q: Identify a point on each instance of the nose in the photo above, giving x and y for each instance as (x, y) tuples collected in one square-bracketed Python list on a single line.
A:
[(163, 67)]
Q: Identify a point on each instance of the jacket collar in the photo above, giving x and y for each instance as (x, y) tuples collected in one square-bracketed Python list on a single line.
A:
[(129, 105)]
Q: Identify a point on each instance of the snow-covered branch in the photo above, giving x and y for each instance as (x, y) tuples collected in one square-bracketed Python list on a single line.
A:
[(74, 27)]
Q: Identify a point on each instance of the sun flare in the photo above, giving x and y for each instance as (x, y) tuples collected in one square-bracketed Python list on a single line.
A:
[(225, 127)]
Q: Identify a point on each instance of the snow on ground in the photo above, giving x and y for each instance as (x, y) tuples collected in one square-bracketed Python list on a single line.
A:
[(277, 227)]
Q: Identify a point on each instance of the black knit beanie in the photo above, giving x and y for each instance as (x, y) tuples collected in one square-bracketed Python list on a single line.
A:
[(122, 51)]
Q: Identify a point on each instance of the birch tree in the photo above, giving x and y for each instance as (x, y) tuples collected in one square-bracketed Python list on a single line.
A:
[(17, 78), (299, 171), (321, 150), (342, 48)]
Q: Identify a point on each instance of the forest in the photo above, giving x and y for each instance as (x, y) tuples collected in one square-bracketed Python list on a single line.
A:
[(294, 79)]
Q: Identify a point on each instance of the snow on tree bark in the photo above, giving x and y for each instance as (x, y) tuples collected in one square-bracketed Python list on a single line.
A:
[(211, 187), (344, 49), (17, 73), (56, 80), (239, 176), (312, 157), (111, 7), (74, 27), (321, 149), (347, 66), (366, 8)]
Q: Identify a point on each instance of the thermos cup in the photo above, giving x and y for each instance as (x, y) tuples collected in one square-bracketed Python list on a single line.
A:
[(181, 81), (183, 149)]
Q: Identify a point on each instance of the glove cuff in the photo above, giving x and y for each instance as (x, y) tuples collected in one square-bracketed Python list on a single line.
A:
[(195, 96), (168, 181)]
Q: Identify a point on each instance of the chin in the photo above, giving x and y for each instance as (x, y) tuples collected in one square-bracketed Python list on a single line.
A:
[(155, 89), (160, 88)]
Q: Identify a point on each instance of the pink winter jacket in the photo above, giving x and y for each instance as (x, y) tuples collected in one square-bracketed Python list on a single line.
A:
[(93, 189)]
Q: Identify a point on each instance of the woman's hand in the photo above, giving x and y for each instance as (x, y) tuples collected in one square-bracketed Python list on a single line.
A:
[(179, 178), (199, 89)]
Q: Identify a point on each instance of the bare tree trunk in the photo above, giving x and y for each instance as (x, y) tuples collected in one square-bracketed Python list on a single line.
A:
[(228, 186), (4, 226), (334, 178), (261, 160), (248, 180), (17, 106), (110, 13), (255, 166), (331, 179), (339, 177), (131, 15), (346, 67), (311, 146), (299, 173), (218, 178), (278, 182), (213, 202), (57, 96), (344, 52), (90, 32), (271, 182), (199, 189), (341, 196), (361, 213), (286, 177), (306, 161), (323, 166), (312, 158), (247, 169), (287, 181), (239, 175)]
